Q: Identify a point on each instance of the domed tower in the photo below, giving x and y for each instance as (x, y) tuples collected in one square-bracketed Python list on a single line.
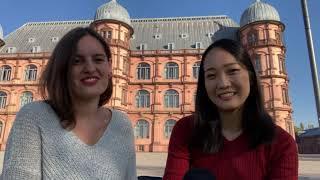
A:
[(112, 21), (1, 37), (261, 32)]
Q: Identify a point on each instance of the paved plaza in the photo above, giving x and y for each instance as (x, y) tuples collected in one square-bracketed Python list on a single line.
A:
[(152, 164)]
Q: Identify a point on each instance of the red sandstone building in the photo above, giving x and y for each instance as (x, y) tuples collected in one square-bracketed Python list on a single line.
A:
[(155, 65)]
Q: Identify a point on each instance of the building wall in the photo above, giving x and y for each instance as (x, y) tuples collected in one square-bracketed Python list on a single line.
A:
[(17, 86), (309, 145), (126, 85)]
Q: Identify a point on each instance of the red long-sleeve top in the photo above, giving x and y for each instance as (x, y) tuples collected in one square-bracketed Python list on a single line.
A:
[(235, 161)]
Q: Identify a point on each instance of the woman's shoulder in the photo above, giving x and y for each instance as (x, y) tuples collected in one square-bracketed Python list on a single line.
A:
[(283, 141), (186, 122), (183, 126), (36, 106), (121, 118), (34, 113), (282, 135)]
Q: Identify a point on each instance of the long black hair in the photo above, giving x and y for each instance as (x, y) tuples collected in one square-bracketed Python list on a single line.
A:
[(256, 122)]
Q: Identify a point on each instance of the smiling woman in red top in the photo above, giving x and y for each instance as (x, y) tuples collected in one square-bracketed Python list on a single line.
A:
[(230, 134)]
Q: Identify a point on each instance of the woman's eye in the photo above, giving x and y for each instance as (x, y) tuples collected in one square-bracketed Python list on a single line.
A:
[(211, 76), (76, 61), (233, 71), (100, 59)]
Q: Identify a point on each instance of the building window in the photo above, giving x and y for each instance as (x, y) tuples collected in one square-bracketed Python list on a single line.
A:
[(143, 99), (171, 99), (196, 69), (5, 73), (257, 63), (142, 129), (157, 36), (143, 71), (3, 100), (1, 127), (143, 47), (107, 34), (31, 40), (124, 96), (11, 50), (282, 66), (55, 39), (36, 49), (278, 36), (125, 65), (30, 73), (141, 148), (183, 36), (170, 46), (172, 70), (26, 98), (285, 96), (252, 38), (168, 126), (198, 45)]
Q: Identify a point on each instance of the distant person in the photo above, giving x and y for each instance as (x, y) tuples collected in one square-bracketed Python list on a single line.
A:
[(72, 135), (230, 134)]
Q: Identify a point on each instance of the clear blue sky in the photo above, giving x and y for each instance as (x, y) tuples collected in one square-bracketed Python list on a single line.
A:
[(15, 13)]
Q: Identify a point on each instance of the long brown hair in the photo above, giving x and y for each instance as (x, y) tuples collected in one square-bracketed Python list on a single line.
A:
[(55, 81)]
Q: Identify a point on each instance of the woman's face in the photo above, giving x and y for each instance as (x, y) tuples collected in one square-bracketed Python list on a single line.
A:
[(226, 80), (90, 69)]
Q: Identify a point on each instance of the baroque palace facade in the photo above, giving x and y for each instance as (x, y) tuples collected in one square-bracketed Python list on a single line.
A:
[(155, 65)]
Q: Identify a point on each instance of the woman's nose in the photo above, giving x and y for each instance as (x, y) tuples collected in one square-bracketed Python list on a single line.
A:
[(223, 82), (89, 66)]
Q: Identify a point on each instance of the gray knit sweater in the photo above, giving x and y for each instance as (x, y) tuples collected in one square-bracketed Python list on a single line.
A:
[(39, 148)]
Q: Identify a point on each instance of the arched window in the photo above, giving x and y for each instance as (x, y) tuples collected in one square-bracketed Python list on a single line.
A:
[(195, 69), (171, 99), (172, 70), (143, 71), (3, 100), (124, 96), (285, 95), (5, 73), (252, 38), (125, 66), (168, 126), (257, 63), (143, 99), (142, 129), (26, 98), (30, 73), (282, 66), (1, 128)]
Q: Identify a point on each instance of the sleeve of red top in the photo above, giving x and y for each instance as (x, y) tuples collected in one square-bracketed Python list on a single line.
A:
[(178, 152), (284, 161)]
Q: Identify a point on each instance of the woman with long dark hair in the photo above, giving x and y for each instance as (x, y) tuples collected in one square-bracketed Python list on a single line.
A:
[(230, 134), (72, 134)]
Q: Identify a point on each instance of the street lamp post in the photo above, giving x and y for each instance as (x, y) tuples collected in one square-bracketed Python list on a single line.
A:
[(313, 64)]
